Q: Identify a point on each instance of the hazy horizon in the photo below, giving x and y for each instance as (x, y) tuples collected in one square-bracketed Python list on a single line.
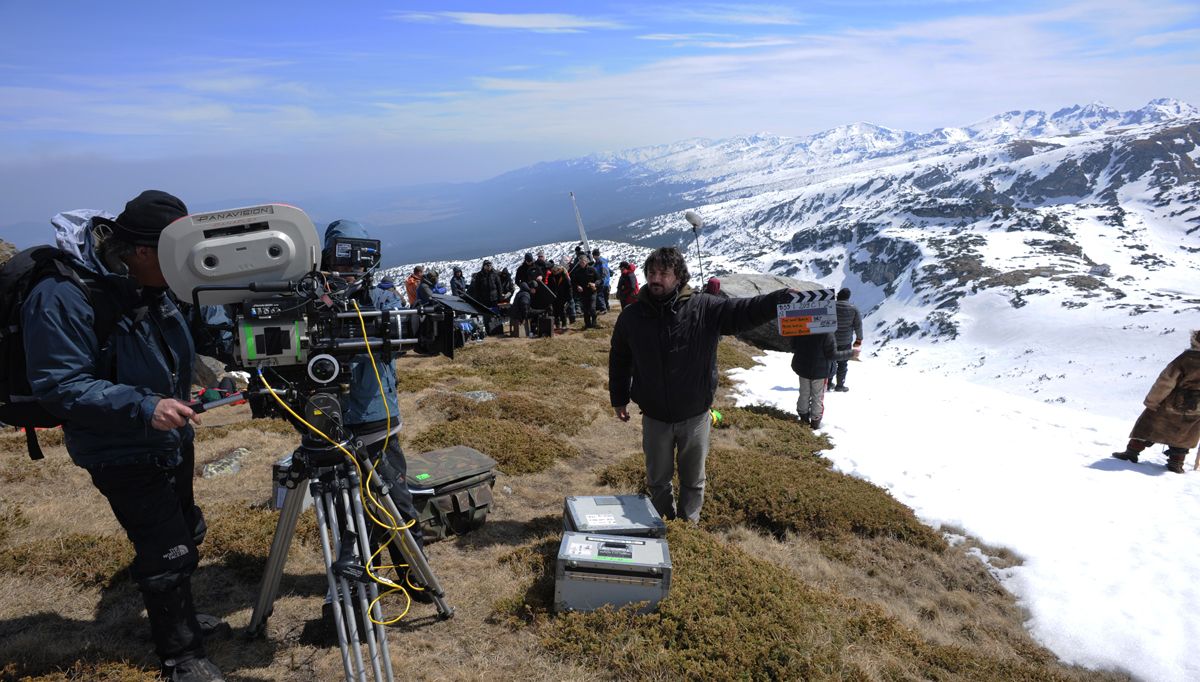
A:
[(252, 103)]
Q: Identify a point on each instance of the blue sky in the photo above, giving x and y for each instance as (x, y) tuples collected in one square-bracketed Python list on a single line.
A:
[(242, 99)]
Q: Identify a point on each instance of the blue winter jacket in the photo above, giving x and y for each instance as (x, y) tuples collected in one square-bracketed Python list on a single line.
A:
[(363, 403), (106, 394), (604, 271)]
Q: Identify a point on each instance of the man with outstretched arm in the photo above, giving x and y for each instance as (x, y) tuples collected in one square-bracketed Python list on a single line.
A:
[(664, 358)]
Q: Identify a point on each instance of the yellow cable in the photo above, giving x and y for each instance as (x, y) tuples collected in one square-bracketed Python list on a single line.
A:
[(381, 580)]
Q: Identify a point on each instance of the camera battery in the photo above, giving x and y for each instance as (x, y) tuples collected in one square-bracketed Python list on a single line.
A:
[(613, 515), (595, 570)]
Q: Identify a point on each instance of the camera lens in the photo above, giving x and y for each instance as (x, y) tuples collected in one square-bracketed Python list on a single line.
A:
[(323, 369), (210, 262)]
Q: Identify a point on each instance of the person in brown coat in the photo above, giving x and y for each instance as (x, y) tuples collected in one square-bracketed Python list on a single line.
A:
[(1172, 414)]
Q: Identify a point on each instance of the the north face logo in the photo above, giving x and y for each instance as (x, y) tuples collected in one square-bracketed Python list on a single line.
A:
[(176, 552)]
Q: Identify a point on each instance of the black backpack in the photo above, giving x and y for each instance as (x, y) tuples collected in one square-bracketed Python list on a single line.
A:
[(18, 276)]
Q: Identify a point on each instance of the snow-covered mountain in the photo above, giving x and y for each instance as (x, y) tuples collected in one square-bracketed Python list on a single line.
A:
[(1019, 227)]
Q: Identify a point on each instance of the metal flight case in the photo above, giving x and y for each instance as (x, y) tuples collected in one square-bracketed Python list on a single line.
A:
[(594, 570), (613, 515)]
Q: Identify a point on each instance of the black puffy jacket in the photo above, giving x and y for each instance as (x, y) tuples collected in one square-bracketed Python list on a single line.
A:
[(812, 354), (664, 354)]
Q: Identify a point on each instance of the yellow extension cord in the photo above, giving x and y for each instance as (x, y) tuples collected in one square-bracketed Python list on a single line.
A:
[(365, 491)]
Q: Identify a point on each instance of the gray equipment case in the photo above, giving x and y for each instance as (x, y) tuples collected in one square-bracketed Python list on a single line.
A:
[(613, 515), (451, 489), (594, 570)]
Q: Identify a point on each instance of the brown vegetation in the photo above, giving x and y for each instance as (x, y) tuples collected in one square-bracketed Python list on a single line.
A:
[(798, 571)]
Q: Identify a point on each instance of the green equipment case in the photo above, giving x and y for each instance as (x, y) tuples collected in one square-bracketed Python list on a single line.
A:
[(451, 489)]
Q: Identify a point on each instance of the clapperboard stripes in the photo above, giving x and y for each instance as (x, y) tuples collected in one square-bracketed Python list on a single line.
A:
[(809, 312)]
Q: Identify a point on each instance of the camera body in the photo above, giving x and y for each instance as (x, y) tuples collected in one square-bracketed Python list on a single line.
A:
[(263, 302)]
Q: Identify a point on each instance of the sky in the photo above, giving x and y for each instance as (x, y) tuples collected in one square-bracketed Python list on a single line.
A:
[(1107, 547), (231, 100)]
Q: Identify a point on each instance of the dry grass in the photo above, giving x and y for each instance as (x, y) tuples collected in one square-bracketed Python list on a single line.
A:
[(85, 560), (563, 418), (793, 584)]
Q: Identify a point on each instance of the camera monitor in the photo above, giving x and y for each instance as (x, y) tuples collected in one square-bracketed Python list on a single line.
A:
[(266, 243)]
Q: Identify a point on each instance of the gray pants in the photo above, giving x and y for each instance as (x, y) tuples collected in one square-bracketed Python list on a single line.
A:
[(811, 402), (666, 443)]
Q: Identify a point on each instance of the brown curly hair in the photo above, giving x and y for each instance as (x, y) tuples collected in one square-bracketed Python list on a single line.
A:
[(668, 258)]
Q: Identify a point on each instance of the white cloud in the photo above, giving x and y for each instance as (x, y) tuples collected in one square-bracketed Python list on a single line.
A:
[(538, 23)]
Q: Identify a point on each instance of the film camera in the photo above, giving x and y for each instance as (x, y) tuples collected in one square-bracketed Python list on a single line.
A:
[(270, 299)]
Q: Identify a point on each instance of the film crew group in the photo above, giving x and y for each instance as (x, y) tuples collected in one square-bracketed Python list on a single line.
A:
[(122, 399), (664, 358)]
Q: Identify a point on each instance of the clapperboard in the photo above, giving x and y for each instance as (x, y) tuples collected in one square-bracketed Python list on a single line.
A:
[(809, 312)]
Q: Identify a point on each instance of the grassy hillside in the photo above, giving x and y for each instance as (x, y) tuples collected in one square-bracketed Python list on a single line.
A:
[(797, 571)]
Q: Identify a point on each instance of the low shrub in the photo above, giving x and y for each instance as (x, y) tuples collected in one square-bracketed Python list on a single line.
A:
[(767, 429), (517, 448), (730, 616), (557, 417), (790, 495), (239, 536), (86, 560)]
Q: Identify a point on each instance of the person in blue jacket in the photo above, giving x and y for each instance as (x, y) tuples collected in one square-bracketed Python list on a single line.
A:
[(123, 402), (372, 414)]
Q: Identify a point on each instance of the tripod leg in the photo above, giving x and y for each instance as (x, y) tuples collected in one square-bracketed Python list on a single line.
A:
[(372, 609), (284, 530), (359, 532), (408, 546), (419, 564), (326, 528)]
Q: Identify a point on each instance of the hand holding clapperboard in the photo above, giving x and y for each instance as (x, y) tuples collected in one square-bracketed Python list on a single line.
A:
[(809, 312)]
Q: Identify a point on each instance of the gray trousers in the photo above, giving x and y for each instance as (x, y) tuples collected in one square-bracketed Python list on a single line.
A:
[(811, 402), (685, 443)]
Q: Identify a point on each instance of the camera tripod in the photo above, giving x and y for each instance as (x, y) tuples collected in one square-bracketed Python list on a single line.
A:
[(333, 482)]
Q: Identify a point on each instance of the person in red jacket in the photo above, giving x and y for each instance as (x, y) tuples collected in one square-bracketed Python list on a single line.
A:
[(627, 285)]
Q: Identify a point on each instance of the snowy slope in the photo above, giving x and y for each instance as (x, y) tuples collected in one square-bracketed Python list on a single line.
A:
[(1107, 547)]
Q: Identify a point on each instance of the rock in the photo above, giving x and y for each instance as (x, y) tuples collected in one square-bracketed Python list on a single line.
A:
[(227, 465), (507, 490), (765, 336), (208, 372), (479, 396)]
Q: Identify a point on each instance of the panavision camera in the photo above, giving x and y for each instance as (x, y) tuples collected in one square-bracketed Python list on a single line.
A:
[(268, 296)]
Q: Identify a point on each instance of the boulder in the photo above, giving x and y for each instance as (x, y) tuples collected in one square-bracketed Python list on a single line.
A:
[(765, 336), (208, 372)]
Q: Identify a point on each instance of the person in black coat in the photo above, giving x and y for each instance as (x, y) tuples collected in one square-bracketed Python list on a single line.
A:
[(560, 286), (518, 313), (664, 358), (458, 283), (849, 334), (525, 271), (584, 279), (813, 357), (485, 286)]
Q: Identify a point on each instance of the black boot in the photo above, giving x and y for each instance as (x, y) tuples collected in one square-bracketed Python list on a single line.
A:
[(1127, 455), (1175, 461), (194, 670), (178, 638)]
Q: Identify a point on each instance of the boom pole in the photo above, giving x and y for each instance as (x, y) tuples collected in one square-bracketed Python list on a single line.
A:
[(587, 247)]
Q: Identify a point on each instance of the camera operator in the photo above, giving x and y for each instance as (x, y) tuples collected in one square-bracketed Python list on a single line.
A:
[(367, 410), (122, 399)]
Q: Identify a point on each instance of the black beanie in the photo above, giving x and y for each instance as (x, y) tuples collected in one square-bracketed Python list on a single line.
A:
[(145, 217)]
